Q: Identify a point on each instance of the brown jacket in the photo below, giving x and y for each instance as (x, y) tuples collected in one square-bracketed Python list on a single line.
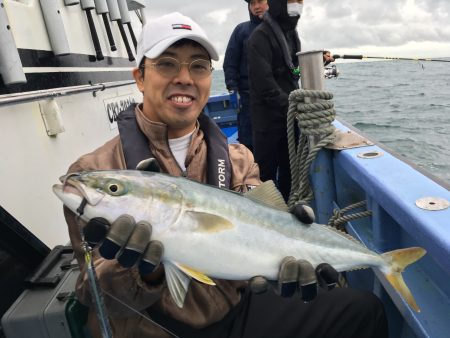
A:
[(204, 304)]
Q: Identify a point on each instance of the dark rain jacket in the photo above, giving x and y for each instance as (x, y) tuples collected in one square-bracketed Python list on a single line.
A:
[(270, 78), (235, 64)]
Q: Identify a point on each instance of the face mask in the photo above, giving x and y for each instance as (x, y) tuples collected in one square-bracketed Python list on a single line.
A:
[(294, 9)]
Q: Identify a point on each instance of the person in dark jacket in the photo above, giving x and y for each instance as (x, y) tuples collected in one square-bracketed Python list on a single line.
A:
[(273, 74), (236, 69)]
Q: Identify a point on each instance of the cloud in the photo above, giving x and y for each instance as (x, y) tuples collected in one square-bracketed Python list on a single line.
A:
[(399, 27), (219, 16)]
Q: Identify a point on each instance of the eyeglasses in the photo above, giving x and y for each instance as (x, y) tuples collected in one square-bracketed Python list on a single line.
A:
[(170, 67)]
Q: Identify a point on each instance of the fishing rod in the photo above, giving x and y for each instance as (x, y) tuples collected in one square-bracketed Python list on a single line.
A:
[(361, 57)]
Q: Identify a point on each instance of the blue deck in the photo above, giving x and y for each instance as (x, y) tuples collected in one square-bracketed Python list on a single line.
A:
[(391, 187)]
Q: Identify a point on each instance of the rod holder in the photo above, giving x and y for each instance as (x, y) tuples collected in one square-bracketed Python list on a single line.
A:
[(112, 43), (125, 40), (133, 37), (311, 70), (113, 8), (55, 27), (101, 8), (312, 78), (95, 40), (11, 70)]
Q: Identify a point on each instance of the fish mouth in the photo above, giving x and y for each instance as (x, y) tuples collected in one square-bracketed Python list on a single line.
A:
[(72, 184)]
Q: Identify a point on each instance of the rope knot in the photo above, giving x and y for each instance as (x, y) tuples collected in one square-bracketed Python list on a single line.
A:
[(338, 219)]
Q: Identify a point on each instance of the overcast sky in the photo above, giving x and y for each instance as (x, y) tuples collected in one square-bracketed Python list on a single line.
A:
[(406, 28)]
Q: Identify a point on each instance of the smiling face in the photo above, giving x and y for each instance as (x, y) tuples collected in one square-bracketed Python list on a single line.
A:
[(178, 100)]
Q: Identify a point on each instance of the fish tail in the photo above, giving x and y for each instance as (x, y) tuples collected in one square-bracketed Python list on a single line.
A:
[(399, 260)]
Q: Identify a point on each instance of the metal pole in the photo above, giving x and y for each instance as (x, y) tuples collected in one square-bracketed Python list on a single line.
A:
[(52, 93), (312, 78), (323, 185), (311, 70), (322, 181)]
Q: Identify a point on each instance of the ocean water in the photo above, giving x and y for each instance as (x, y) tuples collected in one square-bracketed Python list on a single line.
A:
[(403, 104)]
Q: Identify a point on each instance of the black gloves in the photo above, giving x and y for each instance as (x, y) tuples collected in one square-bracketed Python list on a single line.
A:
[(299, 275), (150, 164), (303, 212), (125, 240)]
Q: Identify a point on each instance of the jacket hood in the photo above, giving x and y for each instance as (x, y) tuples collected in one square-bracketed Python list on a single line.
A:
[(278, 12), (278, 9), (253, 18)]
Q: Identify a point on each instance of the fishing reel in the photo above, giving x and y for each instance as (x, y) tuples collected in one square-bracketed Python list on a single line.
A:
[(331, 72)]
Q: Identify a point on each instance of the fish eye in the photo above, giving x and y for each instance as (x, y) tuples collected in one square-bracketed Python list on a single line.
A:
[(115, 188)]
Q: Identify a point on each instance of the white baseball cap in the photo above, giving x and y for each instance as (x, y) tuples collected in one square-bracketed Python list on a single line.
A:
[(159, 34)]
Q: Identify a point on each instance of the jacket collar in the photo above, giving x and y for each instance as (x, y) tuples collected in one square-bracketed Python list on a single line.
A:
[(157, 134)]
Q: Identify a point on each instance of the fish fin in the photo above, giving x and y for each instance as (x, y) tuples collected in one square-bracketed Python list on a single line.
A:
[(344, 234), (209, 222), (197, 275), (268, 194), (399, 260), (177, 282), (359, 267)]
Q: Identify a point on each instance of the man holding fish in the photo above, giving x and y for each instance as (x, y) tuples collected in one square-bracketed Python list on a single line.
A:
[(174, 74)]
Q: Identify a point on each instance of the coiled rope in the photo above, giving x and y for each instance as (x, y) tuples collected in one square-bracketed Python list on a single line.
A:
[(314, 122), (316, 131)]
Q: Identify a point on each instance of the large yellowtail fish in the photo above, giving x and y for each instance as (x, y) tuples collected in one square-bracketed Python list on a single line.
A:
[(211, 232)]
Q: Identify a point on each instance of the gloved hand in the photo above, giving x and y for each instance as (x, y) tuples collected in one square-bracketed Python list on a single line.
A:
[(303, 212), (298, 276), (150, 164), (125, 240)]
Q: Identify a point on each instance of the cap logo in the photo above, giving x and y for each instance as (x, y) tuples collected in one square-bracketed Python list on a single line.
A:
[(181, 26)]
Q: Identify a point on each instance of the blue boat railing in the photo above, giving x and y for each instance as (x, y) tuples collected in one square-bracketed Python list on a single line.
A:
[(391, 188), (223, 109)]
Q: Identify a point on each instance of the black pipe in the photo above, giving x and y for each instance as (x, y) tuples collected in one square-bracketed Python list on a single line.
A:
[(125, 41), (353, 57), (112, 43), (95, 40), (132, 35), (360, 57), (404, 59)]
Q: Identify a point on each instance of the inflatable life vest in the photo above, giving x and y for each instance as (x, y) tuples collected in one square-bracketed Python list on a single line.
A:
[(135, 146)]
